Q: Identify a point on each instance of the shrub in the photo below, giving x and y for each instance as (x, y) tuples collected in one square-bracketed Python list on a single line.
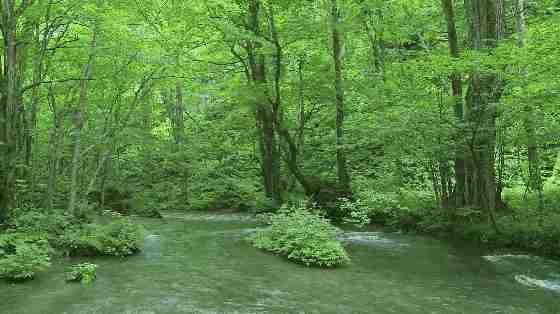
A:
[(22, 256), (85, 273), (404, 209), (303, 237), (528, 233), (120, 237), (354, 212), (80, 240), (382, 206)]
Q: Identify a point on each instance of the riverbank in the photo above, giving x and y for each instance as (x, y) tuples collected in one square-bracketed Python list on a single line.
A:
[(32, 238), (517, 232)]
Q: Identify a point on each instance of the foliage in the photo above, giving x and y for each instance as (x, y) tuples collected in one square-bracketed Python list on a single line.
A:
[(534, 235), (113, 235), (85, 273), (402, 208), (354, 212), (171, 117), (226, 193), (522, 226), (30, 220), (120, 237), (22, 256), (124, 201), (303, 237)]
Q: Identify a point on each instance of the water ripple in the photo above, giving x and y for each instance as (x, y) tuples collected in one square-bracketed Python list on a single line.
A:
[(499, 258), (553, 285), (371, 238)]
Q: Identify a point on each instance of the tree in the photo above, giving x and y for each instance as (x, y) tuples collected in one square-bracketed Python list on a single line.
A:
[(265, 113), (484, 93), (10, 100), (338, 58), (79, 122), (457, 91)]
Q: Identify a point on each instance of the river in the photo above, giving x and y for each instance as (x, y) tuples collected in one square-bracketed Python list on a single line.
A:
[(200, 263)]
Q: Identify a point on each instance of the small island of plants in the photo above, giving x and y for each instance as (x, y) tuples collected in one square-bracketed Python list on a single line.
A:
[(302, 236)]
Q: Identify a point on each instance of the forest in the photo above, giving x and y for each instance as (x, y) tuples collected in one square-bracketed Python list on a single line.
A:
[(435, 118)]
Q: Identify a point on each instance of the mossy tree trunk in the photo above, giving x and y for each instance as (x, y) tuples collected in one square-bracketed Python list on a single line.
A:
[(486, 29), (265, 113), (11, 111)]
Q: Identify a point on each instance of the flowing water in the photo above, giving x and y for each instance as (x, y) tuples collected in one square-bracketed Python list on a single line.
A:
[(201, 264)]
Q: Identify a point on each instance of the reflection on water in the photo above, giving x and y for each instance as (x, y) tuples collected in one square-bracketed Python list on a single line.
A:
[(197, 263)]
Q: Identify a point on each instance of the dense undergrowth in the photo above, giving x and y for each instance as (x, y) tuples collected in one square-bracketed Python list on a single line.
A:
[(33, 237), (522, 225), (22, 256)]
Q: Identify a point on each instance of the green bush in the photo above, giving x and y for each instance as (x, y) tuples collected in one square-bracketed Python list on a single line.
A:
[(382, 206), (85, 273), (22, 256), (120, 237), (303, 237), (354, 212), (537, 235)]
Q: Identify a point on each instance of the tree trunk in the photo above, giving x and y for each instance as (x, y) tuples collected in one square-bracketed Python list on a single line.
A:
[(444, 175), (338, 58), (10, 108), (41, 41), (79, 121), (177, 114), (436, 186), (55, 141), (180, 133), (301, 107), (459, 192), (375, 38), (266, 115), (484, 93)]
